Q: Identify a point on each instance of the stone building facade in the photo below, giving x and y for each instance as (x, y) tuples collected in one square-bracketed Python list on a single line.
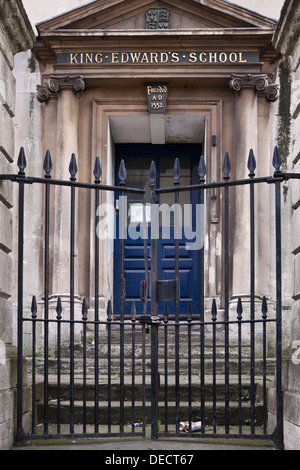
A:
[(16, 35), (92, 68), (102, 92)]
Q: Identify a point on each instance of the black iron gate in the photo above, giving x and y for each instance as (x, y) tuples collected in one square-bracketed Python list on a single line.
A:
[(203, 376)]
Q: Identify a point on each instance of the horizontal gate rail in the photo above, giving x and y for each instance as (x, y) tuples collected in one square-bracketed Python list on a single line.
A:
[(182, 389)]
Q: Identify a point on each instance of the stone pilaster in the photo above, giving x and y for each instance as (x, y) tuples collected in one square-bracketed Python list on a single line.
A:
[(247, 88), (68, 90)]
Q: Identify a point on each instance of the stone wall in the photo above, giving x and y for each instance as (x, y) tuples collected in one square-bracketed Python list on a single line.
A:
[(287, 40), (15, 35)]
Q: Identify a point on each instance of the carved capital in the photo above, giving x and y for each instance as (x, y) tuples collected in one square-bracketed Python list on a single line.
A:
[(43, 94), (256, 82), (57, 84), (273, 93)]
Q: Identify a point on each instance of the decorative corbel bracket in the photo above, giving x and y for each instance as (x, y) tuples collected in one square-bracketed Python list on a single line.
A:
[(56, 84)]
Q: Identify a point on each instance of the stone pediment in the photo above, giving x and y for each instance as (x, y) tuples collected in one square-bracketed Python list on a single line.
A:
[(163, 15)]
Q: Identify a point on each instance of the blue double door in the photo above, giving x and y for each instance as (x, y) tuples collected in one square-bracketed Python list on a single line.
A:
[(138, 158)]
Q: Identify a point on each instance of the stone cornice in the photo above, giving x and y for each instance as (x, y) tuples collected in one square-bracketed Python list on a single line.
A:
[(257, 82), (56, 84), (288, 28), (17, 31)]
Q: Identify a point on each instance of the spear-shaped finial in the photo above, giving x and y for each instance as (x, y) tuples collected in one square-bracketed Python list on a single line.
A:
[(47, 164), (84, 310), (133, 312), (239, 309), (226, 166), (73, 168), (214, 310), (251, 164), (264, 308), (109, 311), (189, 311), (177, 172), (122, 173), (153, 175), (22, 162), (34, 307), (276, 161), (202, 169), (97, 171), (59, 309)]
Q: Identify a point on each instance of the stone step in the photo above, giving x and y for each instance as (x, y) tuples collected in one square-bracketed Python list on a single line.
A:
[(184, 389), (137, 415), (184, 366)]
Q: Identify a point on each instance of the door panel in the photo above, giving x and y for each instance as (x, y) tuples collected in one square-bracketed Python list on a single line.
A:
[(138, 160)]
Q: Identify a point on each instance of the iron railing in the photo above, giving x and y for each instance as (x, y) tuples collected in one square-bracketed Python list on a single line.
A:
[(196, 373)]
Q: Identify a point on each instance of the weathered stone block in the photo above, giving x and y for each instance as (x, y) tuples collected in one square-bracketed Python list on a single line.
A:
[(7, 146), (5, 229), (5, 275), (6, 333), (297, 276), (7, 87)]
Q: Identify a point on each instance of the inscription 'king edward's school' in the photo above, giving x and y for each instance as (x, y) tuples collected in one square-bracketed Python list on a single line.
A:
[(123, 58)]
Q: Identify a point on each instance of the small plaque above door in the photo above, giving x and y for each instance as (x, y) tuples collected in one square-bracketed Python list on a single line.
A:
[(157, 94)]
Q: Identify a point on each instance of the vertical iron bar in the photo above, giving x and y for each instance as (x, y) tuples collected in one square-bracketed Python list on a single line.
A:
[(133, 319), (239, 317), (72, 292), (189, 319), (177, 174), (109, 320), (278, 433), (122, 338), (34, 317), (144, 377), (58, 317), (154, 310), (20, 429), (154, 381), (145, 233), (202, 329), (226, 170), (264, 316), (84, 388), (166, 320), (202, 175), (97, 174), (279, 427), (177, 305), (214, 319), (96, 314), (251, 167), (123, 235), (47, 168)]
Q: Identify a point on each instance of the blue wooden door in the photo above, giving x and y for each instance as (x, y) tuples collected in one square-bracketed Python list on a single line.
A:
[(138, 158)]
